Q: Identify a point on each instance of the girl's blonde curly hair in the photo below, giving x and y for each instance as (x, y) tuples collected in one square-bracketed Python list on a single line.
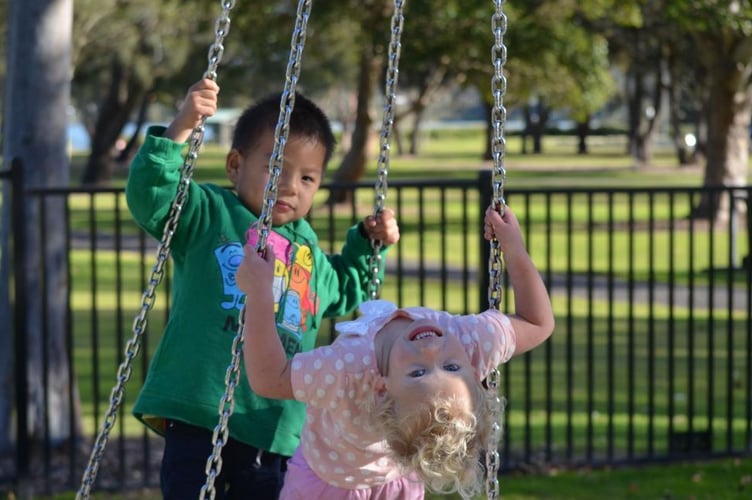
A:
[(442, 441)]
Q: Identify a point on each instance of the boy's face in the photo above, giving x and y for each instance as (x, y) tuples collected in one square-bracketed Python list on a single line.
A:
[(300, 178), (425, 362)]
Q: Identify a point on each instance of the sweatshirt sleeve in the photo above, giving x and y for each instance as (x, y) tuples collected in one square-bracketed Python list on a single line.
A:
[(153, 180), (349, 274)]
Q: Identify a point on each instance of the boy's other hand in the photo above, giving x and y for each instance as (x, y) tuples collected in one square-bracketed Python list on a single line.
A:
[(200, 101), (383, 227)]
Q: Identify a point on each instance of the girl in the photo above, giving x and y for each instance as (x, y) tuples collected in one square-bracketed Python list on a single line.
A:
[(396, 401)]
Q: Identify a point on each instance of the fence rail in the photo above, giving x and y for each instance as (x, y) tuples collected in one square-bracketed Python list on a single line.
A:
[(651, 359)]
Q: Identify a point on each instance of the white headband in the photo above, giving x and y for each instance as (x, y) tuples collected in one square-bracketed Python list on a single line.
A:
[(374, 314)]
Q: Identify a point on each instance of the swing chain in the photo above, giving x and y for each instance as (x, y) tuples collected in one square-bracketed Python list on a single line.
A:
[(226, 406), (133, 345), (495, 269), (390, 94), (493, 461), (281, 133), (498, 118)]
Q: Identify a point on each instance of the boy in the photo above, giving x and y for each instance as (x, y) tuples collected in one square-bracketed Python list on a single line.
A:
[(185, 382)]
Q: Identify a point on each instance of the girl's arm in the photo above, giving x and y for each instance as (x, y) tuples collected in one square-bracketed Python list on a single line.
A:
[(266, 363), (533, 318)]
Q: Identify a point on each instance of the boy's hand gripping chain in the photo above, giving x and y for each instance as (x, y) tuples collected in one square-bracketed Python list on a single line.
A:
[(221, 28), (498, 178), (390, 92), (281, 132)]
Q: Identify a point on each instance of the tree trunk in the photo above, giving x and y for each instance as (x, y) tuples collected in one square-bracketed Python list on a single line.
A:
[(125, 93), (634, 92), (37, 96), (129, 150), (683, 153), (583, 129), (730, 106), (539, 127), (415, 132), (642, 126), (353, 165)]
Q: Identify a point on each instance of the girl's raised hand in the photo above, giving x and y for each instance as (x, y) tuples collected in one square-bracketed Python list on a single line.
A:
[(505, 229), (255, 275)]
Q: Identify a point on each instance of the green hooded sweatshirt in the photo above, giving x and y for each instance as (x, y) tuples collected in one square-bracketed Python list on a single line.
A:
[(186, 377)]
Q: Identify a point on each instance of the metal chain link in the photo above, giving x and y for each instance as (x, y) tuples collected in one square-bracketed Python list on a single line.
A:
[(390, 94), (281, 133), (133, 346), (495, 270)]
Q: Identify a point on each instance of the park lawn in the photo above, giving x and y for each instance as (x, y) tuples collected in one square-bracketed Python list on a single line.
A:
[(722, 479)]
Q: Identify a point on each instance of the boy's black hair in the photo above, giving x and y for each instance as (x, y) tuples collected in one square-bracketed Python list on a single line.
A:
[(306, 120)]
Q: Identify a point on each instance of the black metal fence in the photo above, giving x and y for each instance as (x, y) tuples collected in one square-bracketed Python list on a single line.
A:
[(651, 359)]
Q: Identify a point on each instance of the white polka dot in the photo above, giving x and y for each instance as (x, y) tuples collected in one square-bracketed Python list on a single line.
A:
[(320, 393), (349, 357), (335, 483), (349, 479), (329, 379), (311, 419), (316, 453), (361, 486), (327, 351), (382, 462), (490, 328), (317, 364), (350, 457), (346, 413), (328, 442), (299, 394), (453, 330), (466, 338), (340, 393), (356, 421), (333, 405), (308, 379), (366, 360), (333, 456), (297, 365), (351, 394), (322, 468), (487, 346), (339, 364), (339, 470)]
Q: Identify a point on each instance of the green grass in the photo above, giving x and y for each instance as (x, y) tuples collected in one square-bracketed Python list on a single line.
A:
[(717, 480), (723, 479)]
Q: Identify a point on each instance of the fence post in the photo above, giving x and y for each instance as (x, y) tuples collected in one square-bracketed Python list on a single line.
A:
[(485, 200), (18, 209)]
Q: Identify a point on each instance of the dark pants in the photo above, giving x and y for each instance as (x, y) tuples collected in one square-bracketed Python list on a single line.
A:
[(247, 472)]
